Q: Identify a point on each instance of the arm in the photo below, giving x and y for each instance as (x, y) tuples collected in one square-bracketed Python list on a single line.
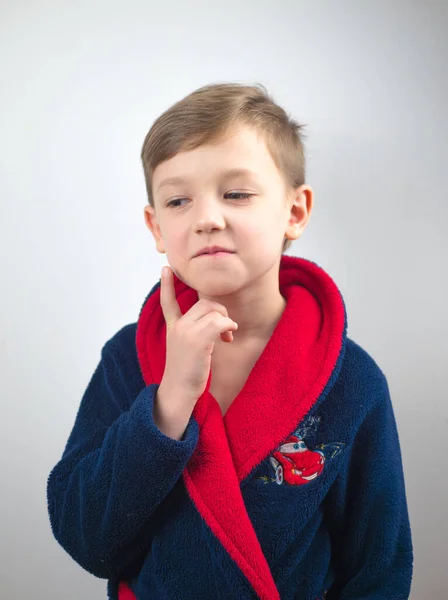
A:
[(116, 469), (368, 515)]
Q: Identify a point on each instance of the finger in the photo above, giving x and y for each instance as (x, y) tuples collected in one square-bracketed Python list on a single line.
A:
[(168, 302), (227, 336), (202, 308), (213, 324)]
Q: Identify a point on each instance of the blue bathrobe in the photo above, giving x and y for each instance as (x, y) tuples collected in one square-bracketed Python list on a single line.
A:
[(296, 493)]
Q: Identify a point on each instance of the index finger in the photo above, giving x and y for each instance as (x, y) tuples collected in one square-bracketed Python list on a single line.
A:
[(168, 302)]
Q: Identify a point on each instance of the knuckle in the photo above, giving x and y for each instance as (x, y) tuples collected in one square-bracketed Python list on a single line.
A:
[(217, 316)]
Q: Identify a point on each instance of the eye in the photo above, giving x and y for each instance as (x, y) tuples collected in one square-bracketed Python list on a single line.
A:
[(231, 195), (171, 202), (242, 195)]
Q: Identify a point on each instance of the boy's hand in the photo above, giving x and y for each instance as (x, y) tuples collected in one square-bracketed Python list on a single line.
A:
[(190, 339)]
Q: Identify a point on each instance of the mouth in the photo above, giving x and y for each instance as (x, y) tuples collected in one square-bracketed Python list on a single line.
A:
[(214, 250), (220, 254), (310, 477)]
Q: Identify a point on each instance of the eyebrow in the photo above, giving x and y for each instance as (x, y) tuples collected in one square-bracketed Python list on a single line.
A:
[(224, 175)]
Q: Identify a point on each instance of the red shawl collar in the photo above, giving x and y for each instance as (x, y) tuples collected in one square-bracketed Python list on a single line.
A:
[(288, 378)]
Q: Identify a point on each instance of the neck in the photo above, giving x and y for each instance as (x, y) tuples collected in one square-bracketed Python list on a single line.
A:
[(256, 320), (257, 308)]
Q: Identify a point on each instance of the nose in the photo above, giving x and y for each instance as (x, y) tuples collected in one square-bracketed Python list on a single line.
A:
[(208, 216)]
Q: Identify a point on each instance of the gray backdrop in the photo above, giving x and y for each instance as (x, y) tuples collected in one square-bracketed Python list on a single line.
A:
[(81, 83)]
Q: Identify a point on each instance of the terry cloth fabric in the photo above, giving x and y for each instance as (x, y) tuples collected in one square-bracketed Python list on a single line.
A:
[(297, 492)]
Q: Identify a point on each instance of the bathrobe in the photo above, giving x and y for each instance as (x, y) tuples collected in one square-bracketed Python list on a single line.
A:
[(297, 492)]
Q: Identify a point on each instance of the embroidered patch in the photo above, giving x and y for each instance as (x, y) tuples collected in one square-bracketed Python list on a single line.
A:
[(294, 463)]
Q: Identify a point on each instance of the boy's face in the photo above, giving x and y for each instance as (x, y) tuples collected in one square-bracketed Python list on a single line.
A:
[(210, 203)]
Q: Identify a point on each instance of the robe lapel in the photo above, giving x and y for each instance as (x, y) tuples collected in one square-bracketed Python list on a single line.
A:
[(296, 369)]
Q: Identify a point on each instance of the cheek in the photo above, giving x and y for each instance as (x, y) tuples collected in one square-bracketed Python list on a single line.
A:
[(175, 265), (176, 248), (174, 238), (267, 227)]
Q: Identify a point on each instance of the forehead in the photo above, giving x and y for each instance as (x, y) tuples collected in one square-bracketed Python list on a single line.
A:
[(242, 151)]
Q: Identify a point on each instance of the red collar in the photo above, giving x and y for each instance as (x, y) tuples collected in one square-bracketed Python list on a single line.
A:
[(293, 373)]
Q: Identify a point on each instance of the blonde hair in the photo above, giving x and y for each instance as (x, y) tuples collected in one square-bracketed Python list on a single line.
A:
[(206, 114)]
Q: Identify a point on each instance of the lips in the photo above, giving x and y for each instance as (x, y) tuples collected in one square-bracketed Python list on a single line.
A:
[(214, 250), (216, 255)]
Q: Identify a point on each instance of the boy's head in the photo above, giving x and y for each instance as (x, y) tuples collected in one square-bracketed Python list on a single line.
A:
[(225, 166)]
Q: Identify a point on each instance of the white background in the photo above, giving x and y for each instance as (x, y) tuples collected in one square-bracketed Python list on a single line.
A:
[(81, 84)]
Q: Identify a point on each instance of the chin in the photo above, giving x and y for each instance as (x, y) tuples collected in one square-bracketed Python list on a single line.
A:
[(214, 285), (216, 288)]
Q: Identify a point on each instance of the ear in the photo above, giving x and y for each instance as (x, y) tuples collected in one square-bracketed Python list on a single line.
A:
[(300, 205), (154, 228)]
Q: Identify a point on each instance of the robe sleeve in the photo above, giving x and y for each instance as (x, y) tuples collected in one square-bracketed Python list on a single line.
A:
[(367, 511), (116, 470)]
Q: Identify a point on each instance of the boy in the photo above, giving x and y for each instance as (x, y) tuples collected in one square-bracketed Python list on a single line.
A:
[(234, 443)]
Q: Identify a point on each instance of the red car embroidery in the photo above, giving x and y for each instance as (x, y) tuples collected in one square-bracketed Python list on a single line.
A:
[(295, 464)]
